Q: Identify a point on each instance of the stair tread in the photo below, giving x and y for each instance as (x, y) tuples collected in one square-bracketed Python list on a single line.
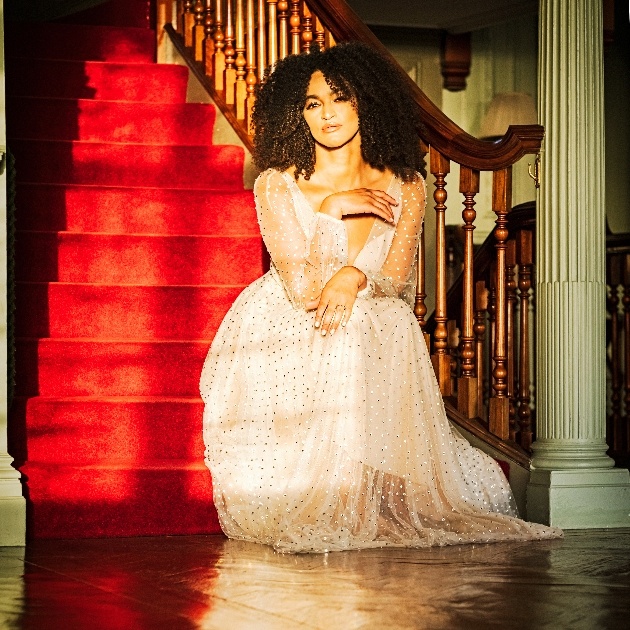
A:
[(90, 120), (77, 161)]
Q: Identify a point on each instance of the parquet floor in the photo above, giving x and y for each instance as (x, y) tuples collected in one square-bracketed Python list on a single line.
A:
[(208, 582)]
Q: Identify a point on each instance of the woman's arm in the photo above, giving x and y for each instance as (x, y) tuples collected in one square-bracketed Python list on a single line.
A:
[(396, 276), (304, 264)]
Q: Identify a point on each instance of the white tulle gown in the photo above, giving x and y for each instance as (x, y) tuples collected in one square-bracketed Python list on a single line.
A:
[(340, 442)]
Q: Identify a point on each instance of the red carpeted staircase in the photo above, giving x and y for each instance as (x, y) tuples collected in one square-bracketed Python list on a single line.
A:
[(134, 237)]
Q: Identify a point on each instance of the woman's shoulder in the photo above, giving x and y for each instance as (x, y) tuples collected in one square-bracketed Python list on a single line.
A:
[(271, 176), (415, 186)]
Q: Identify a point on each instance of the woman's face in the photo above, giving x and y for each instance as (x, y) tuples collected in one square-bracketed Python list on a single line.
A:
[(331, 117)]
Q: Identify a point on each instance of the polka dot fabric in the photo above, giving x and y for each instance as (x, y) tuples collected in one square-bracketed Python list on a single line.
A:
[(340, 442)]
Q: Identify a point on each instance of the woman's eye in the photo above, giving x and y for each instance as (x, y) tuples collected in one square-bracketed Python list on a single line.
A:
[(340, 98), (311, 105)]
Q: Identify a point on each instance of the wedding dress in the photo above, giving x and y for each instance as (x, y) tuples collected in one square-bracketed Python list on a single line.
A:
[(321, 443)]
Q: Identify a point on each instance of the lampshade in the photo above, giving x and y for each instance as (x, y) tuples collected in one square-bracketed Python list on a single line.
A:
[(508, 108)]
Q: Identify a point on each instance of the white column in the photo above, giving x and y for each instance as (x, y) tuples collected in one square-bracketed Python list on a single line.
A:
[(573, 483)]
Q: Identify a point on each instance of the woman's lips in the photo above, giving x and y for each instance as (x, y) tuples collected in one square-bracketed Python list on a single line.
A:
[(330, 128)]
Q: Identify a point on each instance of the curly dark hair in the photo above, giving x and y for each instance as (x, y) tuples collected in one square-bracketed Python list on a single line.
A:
[(388, 118)]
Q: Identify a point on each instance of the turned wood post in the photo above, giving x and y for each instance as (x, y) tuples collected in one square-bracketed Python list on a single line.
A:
[(295, 23), (525, 259), (440, 167), (467, 382), (199, 31), (419, 308), (499, 412), (307, 28), (510, 264), (614, 274), (188, 22), (219, 43), (283, 28), (626, 337), (272, 32), (320, 34), (230, 56), (250, 79), (208, 48), (241, 61), (481, 307), (261, 40)]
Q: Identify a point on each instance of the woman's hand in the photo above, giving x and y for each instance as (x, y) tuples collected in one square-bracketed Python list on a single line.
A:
[(334, 305), (359, 201)]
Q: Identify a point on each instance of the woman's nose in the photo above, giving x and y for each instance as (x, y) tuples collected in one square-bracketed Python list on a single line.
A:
[(328, 111)]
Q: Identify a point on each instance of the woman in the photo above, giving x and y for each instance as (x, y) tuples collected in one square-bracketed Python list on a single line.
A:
[(324, 426)]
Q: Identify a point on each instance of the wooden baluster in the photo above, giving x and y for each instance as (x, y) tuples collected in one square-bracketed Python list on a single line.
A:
[(295, 23), (329, 39), (467, 383), (440, 167), (272, 32), (453, 347), (492, 304), (179, 16), (307, 28), (251, 79), (626, 337), (188, 22), (208, 49), (481, 306), (164, 11), (241, 61), (499, 412), (492, 310), (525, 259), (320, 34), (261, 39), (198, 29), (614, 420), (230, 56), (420, 309), (283, 28), (219, 43), (510, 285)]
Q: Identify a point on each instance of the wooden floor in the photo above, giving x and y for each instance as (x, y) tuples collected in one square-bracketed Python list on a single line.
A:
[(210, 582)]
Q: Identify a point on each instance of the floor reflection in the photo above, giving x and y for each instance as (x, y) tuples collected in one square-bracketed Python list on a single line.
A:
[(209, 582)]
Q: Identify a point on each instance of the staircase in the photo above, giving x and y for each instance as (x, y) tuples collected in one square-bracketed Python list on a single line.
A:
[(134, 236)]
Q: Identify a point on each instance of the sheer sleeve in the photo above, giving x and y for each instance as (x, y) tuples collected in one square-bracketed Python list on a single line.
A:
[(306, 254), (397, 275)]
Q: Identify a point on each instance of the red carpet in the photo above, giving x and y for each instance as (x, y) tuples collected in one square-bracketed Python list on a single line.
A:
[(134, 238)]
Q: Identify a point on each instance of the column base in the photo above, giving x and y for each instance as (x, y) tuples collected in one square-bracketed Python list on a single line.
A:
[(579, 499)]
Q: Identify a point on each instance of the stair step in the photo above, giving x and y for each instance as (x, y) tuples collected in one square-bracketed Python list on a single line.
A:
[(110, 121), (137, 259), (84, 430), (110, 81), (136, 312), (96, 367), (59, 207), (120, 499), (80, 42), (98, 163)]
